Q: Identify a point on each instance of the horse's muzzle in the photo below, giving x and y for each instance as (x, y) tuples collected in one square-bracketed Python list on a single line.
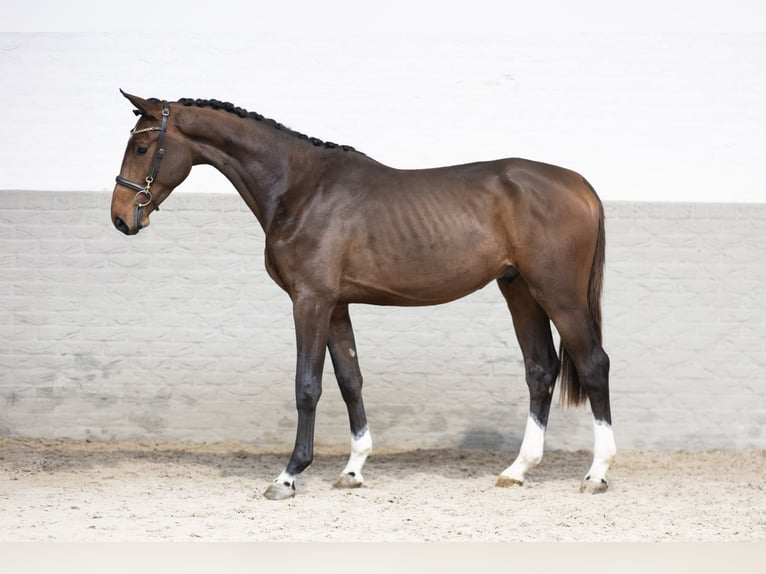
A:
[(120, 224)]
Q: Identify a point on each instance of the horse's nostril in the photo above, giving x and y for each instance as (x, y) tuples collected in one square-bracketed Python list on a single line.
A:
[(121, 225)]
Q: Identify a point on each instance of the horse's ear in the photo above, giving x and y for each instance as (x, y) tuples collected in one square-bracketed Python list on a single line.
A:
[(144, 107)]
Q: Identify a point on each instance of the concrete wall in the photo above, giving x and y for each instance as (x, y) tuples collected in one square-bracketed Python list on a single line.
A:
[(178, 333)]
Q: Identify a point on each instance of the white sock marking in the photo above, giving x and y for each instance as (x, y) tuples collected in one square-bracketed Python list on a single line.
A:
[(530, 453), (285, 479), (360, 449), (604, 450)]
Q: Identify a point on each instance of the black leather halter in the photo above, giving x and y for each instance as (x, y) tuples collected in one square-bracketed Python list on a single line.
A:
[(145, 189)]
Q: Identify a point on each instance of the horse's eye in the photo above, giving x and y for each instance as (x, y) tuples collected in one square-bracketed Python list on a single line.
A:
[(141, 150)]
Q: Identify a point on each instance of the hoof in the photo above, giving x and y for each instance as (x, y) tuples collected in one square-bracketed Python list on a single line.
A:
[(347, 481), (279, 491), (593, 486), (506, 482)]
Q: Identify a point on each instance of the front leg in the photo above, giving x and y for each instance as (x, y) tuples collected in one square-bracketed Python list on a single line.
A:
[(312, 320), (345, 360)]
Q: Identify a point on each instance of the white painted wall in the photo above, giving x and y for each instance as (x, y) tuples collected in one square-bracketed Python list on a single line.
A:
[(661, 102)]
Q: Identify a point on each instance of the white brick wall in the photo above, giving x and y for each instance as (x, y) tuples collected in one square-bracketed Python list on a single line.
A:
[(178, 333)]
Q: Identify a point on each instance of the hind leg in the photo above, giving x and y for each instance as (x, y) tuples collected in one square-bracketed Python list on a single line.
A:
[(346, 364), (533, 333), (592, 363)]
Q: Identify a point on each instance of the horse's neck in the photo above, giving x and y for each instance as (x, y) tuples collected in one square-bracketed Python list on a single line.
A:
[(259, 163)]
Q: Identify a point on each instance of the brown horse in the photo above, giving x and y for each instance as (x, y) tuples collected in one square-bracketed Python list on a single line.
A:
[(342, 228)]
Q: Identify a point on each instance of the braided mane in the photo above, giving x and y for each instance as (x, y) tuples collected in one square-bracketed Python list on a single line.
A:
[(243, 113)]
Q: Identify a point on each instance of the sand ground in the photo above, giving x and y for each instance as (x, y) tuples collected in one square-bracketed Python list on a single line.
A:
[(128, 491)]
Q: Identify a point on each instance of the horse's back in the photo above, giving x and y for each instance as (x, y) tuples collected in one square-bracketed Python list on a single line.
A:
[(509, 200)]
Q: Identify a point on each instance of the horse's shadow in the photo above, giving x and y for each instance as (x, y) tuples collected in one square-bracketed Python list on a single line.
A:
[(22, 457)]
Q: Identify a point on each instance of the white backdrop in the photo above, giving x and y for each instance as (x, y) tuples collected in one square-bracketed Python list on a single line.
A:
[(662, 102)]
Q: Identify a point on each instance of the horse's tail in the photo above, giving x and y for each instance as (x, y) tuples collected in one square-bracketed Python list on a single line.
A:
[(572, 393)]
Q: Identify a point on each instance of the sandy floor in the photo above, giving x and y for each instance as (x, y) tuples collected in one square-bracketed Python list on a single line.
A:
[(128, 491)]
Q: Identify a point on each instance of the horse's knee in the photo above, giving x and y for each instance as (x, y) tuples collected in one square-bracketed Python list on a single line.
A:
[(307, 396)]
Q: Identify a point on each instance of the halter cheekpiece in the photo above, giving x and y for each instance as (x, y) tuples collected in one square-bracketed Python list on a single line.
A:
[(143, 192)]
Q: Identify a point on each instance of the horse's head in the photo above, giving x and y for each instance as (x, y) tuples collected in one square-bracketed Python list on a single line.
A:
[(156, 161)]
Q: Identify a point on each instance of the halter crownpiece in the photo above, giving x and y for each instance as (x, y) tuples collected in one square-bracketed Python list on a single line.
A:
[(145, 189)]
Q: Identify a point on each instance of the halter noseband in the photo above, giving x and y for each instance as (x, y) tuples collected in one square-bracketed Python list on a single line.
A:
[(145, 190)]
